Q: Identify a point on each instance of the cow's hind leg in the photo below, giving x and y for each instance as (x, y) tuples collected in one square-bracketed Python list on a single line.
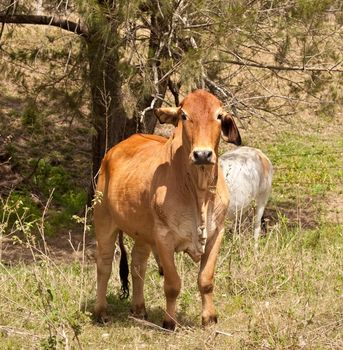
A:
[(206, 278), (106, 235), (139, 254), (260, 206)]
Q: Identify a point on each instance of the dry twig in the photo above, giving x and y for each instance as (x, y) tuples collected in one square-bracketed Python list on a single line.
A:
[(150, 324)]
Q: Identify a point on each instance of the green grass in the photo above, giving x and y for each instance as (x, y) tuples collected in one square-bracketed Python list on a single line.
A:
[(311, 164), (288, 295)]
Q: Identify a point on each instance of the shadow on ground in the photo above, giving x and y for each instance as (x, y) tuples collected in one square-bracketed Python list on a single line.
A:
[(119, 314)]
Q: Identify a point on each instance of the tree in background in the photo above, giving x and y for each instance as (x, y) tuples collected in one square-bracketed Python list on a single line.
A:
[(262, 58)]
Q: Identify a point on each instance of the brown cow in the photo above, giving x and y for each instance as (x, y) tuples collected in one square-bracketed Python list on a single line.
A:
[(169, 195)]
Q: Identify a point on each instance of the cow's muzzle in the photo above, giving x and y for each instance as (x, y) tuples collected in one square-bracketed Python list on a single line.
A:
[(203, 157)]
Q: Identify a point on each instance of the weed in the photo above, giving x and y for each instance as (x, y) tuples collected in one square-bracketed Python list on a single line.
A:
[(31, 118), (43, 292)]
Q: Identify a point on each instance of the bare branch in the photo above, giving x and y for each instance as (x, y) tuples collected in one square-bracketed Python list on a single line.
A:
[(171, 70), (55, 21), (11, 7), (174, 89), (222, 93), (332, 69), (149, 108)]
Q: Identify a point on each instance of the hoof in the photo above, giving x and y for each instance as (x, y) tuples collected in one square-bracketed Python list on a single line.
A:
[(206, 321), (102, 317), (169, 324), (139, 311)]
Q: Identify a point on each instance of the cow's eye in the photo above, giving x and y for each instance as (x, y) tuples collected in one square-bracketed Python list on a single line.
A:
[(183, 116), (219, 116)]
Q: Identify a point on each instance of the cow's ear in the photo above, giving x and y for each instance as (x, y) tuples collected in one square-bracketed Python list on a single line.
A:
[(169, 115), (230, 131)]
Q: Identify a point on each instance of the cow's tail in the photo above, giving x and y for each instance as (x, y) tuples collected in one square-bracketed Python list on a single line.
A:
[(123, 269)]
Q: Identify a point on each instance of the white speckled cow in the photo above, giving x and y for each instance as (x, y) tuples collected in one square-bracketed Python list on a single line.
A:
[(248, 173)]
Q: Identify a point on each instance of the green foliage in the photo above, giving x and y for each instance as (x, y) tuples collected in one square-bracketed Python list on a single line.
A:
[(307, 10), (74, 201), (50, 176), (69, 204), (31, 118), (22, 209), (20, 212)]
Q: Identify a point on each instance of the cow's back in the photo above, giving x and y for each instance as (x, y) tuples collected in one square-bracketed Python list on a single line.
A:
[(124, 180)]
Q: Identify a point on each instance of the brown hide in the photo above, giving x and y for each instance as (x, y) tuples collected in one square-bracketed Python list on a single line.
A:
[(169, 196)]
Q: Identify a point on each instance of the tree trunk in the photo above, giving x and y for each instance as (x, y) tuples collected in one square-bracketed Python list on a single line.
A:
[(110, 121), (159, 27)]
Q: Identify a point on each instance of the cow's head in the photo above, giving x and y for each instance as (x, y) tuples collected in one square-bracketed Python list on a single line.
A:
[(201, 119)]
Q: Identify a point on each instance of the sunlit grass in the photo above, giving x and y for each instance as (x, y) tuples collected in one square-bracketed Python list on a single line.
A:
[(309, 165), (288, 295)]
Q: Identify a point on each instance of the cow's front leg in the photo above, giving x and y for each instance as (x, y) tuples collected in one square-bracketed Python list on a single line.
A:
[(206, 278), (172, 281), (140, 253)]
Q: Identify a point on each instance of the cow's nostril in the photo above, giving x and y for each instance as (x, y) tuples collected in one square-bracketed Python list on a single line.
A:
[(202, 157), (208, 155), (196, 155)]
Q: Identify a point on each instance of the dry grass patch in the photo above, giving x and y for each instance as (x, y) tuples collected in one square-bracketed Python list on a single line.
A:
[(288, 295)]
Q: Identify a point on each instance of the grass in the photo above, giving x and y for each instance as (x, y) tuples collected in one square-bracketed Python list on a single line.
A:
[(286, 296), (309, 162)]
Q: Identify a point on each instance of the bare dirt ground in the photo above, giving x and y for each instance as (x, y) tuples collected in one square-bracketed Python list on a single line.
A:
[(66, 247)]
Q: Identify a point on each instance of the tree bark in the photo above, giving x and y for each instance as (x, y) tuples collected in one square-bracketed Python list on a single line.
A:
[(109, 118), (158, 29), (54, 21)]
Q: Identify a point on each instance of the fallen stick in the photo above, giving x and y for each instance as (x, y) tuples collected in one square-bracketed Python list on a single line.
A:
[(150, 324), (223, 333)]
